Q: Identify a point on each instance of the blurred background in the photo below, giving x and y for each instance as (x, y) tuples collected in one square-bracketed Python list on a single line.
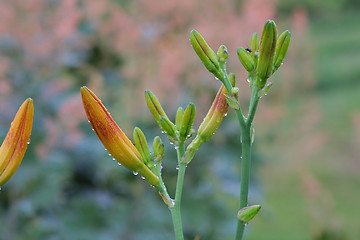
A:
[(305, 170)]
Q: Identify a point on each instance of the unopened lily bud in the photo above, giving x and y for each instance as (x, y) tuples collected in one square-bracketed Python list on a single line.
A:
[(282, 46), (158, 149), (154, 106), (142, 146), (168, 127), (187, 122), (222, 53), (266, 53), (13, 148), (205, 53), (247, 213), (179, 118), (210, 124), (246, 59), (113, 138), (254, 43)]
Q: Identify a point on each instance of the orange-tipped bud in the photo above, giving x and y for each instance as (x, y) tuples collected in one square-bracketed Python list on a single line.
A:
[(210, 124), (14, 146), (113, 138)]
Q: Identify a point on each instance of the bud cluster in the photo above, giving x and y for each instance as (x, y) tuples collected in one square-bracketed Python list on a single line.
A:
[(264, 57)]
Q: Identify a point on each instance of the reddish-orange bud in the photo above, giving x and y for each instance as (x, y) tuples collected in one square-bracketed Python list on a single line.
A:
[(15, 144), (113, 138)]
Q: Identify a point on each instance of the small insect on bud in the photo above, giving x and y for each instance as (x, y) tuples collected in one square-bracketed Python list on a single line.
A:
[(246, 59), (266, 53), (188, 121), (205, 53), (142, 146), (282, 46), (247, 213)]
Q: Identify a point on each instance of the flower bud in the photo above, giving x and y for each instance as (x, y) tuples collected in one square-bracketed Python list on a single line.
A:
[(205, 53), (222, 53), (187, 122), (210, 124), (168, 127), (246, 59), (247, 213), (158, 149), (142, 146), (179, 118), (14, 146), (154, 106), (254, 43), (282, 46), (113, 138), (266, 53)]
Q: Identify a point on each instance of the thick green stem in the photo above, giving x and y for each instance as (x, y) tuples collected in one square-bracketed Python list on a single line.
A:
[(175, 211)]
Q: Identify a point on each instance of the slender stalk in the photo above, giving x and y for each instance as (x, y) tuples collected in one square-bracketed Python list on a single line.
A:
[(175, 211), (246, 133)]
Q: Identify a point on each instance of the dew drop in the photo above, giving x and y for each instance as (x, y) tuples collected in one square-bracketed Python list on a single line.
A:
[(88, 121), (177, 167), (142, 178), (135, 173), (162, 132), (93, 130), (109, 155), (248, 80), (176, 147), (225, 114), (29, 141), (118, 163), (114, 160)]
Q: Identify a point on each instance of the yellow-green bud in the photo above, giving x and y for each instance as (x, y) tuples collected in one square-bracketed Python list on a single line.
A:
[(168, 127), (222, 54), (187, 122), (254, 43), (246, 59), (142, 146), (281, 49), (247, 213), (266, 53), (205, 53), (179, 118), (154, 106), (158, 149)]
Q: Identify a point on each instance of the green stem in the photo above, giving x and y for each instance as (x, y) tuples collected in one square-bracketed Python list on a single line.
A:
[(175, 211), (246, 133)]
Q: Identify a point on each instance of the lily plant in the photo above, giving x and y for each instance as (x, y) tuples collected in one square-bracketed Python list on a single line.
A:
[(260, 59)]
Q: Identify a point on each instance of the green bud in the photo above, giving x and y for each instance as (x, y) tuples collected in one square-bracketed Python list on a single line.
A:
[(222, 53), (154, 106), (254, 43), (246, 59), (247, 213), (179, 118), (205, 53), (281, 49), (266, 53), (158, 149), (168, 127), (187, 122), (142, 146)]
